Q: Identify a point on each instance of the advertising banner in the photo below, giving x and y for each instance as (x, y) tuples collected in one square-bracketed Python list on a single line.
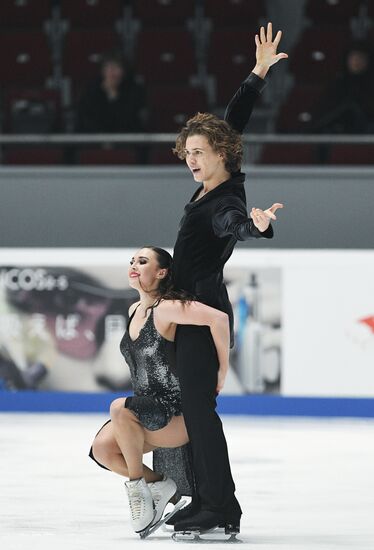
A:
[(304, 321)]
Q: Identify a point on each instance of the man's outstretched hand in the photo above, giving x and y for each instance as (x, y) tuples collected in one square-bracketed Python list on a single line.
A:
[(262, 218), (266, 50)]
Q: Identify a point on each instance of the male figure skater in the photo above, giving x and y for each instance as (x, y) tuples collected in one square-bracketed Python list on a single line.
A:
[(214, 220)]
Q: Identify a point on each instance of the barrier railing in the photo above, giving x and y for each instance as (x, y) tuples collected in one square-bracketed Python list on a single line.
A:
[(149, 138)]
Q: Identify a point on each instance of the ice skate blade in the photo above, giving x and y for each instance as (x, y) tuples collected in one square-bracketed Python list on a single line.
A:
[(152, 528), (210, 536)]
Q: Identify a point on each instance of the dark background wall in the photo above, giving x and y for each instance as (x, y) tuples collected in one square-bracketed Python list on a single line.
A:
[(120, 207)]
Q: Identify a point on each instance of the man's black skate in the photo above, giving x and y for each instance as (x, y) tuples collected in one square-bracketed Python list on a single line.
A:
[(190, 510), (206, 523)]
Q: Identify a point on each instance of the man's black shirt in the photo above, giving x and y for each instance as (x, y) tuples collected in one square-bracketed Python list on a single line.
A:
[(212, 225)]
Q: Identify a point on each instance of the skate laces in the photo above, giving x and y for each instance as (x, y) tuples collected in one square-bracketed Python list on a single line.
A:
[(136, 501)]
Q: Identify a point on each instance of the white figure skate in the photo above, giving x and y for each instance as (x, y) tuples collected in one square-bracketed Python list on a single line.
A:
[(162, 492), (142, 510)]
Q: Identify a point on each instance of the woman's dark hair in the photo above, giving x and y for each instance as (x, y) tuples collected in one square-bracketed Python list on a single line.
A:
[(165, 288)]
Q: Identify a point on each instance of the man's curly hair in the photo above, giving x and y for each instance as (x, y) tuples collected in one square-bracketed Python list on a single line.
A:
[(221, 137)]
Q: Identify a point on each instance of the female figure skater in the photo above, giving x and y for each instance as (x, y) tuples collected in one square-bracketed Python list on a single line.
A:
[(152, 418), (214, 220)]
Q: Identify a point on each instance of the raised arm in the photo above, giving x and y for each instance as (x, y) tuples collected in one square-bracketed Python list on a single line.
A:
[(196, 313), (241, 105)]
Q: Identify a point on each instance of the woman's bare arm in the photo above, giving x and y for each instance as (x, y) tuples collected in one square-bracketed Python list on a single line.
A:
[(196, 313)]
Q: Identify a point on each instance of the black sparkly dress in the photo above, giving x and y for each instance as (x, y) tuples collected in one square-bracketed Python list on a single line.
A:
[(151, 359), (157, 398)]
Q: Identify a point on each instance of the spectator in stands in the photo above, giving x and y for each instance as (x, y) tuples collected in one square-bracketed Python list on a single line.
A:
[(114, 103), (347, 107)]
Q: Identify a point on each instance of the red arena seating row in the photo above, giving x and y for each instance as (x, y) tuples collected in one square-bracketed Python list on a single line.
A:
[(91, 13), (318, 55), (165, 55), (31, 111), (37, 110), (26, 57), (231, 52), (98, 13), (83, 51), (297, 111), (170, 106), (30, 13), (161, 56), (82, 13), (332, 11), (162, 12), (234, 12)]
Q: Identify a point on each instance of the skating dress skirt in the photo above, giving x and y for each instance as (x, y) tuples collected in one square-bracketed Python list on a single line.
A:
[(151, 359)]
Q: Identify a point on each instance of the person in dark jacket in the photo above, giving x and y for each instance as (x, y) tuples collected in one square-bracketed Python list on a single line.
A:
[(347, 106), (114, 102), (214, 220)]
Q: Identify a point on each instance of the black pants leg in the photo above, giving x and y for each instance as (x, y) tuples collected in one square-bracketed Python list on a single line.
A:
[(197, 366)]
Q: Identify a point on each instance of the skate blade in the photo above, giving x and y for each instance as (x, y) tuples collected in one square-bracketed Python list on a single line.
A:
[(210, 536), (149, 530)]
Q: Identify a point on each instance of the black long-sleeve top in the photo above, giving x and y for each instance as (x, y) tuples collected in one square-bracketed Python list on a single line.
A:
[(212, 225), (96, 112)]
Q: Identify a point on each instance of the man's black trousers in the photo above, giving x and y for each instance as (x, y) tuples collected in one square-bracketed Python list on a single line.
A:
[(197, 366)]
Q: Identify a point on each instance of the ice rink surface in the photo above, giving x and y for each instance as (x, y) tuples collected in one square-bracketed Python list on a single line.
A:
[(303, 484)]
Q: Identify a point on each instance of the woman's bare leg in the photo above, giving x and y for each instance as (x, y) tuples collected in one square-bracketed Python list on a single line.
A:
[(132, 437), (129, 434), (173, 435), (107, 452)]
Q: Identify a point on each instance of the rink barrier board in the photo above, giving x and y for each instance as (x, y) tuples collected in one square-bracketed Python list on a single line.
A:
[(256, 405)]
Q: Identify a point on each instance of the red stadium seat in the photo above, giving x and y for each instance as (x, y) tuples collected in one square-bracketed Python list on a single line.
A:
[(231, 58), (83, 52), (351, 154), (288, 153), (163, 12), (32, 111), (34, 155), (31, 13), (318, 56), (163, 154), (25, 59), (170, 106), (234, 12), (107, 156), (91, 13), (296, 113), (165, 55), (332, 11)]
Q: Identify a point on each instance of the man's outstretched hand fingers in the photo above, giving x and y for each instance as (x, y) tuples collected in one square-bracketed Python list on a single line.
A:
[(275, 206), (270, 212)]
